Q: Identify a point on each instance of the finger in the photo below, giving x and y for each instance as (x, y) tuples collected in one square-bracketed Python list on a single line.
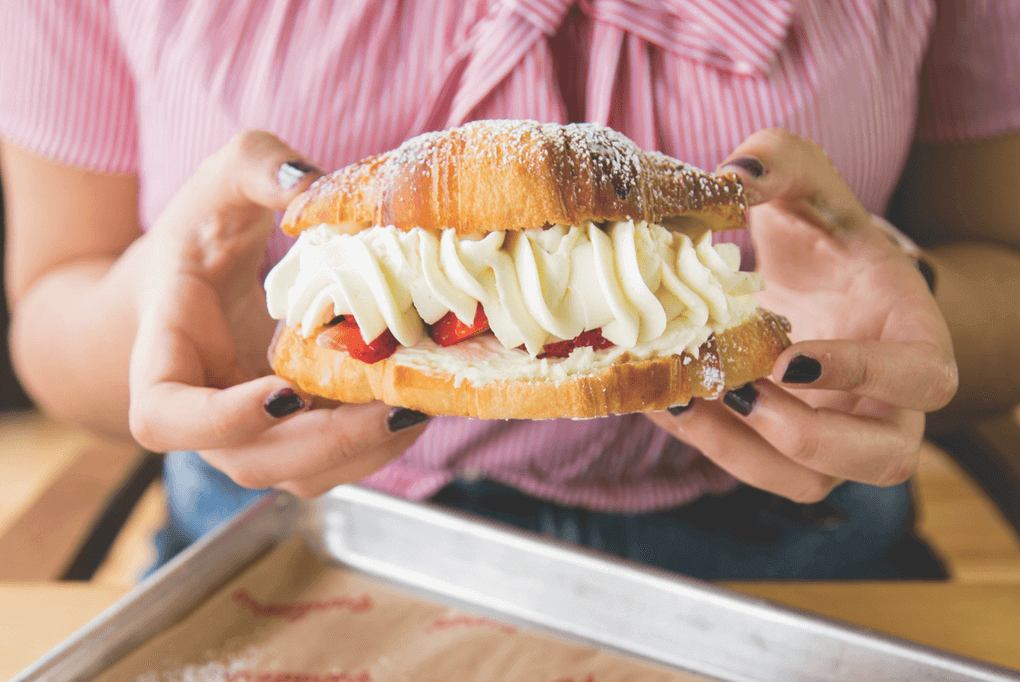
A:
[(174, 376), (221, 220), (775, 164), (321, 448), (255, 168), (179, 416), (226, 207), (832, 442), (914, 375), (736, 448), (355, 470)]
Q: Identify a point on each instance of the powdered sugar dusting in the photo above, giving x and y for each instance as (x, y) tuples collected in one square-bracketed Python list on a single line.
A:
[(610, 157), (552, 172), (415, 150), (213, 671), (712, 379)]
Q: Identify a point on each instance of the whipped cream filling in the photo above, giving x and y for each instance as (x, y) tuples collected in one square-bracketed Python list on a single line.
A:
[(651, 291)]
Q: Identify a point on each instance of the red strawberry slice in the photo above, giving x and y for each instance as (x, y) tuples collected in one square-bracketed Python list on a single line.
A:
[(346, 336), (560, 349), (448, 329)]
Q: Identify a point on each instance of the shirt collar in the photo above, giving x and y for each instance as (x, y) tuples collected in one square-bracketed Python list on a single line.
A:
[(740, 36)]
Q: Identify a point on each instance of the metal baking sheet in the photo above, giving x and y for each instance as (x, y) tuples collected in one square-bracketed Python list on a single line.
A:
[(519, 578)]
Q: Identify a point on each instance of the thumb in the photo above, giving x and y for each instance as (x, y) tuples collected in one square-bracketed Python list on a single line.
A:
[(253, 172), (222, 217), (777, 165)]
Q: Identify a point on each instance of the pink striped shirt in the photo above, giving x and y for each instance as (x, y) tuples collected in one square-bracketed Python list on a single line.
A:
[(153, 87)]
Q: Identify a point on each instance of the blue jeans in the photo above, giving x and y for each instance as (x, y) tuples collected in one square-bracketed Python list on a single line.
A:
[(858, 532), (199, 497)]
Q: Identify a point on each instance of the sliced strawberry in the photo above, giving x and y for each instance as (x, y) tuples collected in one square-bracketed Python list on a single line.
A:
[(560, 349), (448, 330), (346, 336)]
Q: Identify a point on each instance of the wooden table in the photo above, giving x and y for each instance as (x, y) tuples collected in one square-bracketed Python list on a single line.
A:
[(977, 620)]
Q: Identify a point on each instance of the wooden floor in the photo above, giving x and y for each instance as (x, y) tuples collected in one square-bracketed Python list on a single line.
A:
[(39, 458), (962, 524)]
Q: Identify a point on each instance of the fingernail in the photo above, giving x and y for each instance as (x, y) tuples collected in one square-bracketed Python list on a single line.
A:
[(742, 399), (679, 409), (928, 272), (291, 172), (803, 369), (750, 164), (401, 418), (283, 402)]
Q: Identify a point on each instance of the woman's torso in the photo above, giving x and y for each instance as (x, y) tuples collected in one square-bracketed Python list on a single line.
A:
[(339, 81)]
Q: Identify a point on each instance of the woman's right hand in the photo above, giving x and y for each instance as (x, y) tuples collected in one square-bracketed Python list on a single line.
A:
[(198, 377)]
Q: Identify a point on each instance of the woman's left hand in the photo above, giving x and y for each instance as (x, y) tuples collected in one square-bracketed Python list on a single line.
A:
[(871, 355)]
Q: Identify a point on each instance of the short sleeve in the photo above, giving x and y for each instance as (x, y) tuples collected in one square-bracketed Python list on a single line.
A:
[(970, 81), (67, 91)]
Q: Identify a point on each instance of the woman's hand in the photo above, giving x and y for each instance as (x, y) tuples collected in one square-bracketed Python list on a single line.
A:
[(199, 376), (871, 355)]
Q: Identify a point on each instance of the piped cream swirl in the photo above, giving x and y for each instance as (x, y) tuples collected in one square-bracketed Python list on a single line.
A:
[(651, 291)]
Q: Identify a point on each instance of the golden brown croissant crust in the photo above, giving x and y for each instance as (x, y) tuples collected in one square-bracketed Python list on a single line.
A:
[(728, 360), (517, 175)]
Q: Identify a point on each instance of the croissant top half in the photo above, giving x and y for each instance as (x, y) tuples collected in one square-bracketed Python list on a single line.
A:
[(517, 175)]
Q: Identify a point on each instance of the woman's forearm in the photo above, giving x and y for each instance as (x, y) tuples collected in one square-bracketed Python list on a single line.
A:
[(960, 202), (978, 290), (78, 267), (71, 336), (74, 260)]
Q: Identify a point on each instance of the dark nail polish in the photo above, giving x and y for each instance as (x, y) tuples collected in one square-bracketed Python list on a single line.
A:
[(283, 402), (742, 399), (290, 173), (803, 369), (927, 272), (401, 418), (750, 164), (679, 409)]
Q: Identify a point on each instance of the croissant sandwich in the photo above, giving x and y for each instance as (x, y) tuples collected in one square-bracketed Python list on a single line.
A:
[(518, 270)]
